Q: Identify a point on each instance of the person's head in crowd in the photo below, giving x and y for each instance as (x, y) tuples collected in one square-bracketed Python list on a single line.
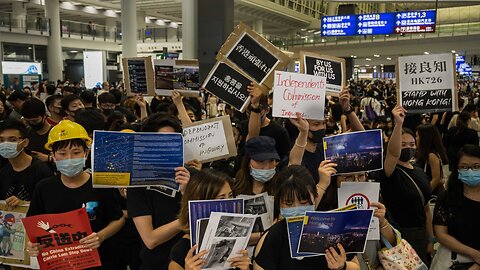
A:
[(367, 125), (371, 93), (106, 103), (13, 139), (3, 110), (16, 99), (206, 184), (264, 108), (118, 96), (465, 172), (114, 120), (106, 85), (71, 105), (380, 122), (270, 98), (89, 99), (28, 91), (90, 120), (161, 122), (190, 111), (69, 143), (258, 166), (237, 133), (295, 191), (336, 111), (67, 90), (35, 115), (389, 124), (51, 89), (429, 140), (463, 121), (76, 85), (162, 107), (54, 106), (409, 146), (472, 109), (316, 130)]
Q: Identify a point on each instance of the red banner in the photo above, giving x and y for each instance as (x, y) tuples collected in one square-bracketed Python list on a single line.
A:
[(59, 234)]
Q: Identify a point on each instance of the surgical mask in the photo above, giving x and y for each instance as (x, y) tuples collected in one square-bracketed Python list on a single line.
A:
[(407, 154), (262, 176), (317, 136), (9, 150), (469, 177), (296, 211), (70, 167)]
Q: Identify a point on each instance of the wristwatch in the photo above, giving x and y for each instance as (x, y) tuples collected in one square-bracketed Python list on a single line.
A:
[(255, 110)]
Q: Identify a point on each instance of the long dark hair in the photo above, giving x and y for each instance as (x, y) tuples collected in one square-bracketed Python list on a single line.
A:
[(462, 121), (430, 142), (244, 181), (455, 185)]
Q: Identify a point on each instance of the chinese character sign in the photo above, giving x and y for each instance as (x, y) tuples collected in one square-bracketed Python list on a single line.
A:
[(59, 234), (426, 83)]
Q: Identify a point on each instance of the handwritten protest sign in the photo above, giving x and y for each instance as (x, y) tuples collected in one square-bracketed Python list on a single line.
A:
[(138, 74), (209, 140), (60, 235), (13, 235), (295, 92), (330, 67), (427, 83)]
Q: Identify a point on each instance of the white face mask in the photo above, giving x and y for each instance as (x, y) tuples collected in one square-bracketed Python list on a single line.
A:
[(9, 150)]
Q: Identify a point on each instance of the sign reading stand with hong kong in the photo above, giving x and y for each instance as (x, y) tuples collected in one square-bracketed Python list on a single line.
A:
[(296, 92), (427, 83)]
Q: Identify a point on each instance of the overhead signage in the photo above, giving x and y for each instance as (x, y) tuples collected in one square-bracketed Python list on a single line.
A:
[(415, 22)]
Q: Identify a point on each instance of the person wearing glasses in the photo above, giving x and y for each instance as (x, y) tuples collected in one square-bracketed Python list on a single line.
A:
[(22, 172)]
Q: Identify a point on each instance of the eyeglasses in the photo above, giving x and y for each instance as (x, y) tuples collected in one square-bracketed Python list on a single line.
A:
[(465, 167)]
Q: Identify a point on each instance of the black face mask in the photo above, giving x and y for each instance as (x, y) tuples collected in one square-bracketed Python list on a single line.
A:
[(37, 126), (107, 112), (317, 136), (407, 154)]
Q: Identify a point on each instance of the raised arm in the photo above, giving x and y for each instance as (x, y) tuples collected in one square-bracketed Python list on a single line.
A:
[(394, 147), (344, 101), (182, 112), (255, 120), (296, 154), (154, 237)]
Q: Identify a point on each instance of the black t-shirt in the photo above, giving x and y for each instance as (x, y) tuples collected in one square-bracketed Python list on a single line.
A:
[(163, 209), (51, 196), (180, 251), (311, 161), (402, 198), (22, 184), (461, 218), (37, 142), (275, 252)]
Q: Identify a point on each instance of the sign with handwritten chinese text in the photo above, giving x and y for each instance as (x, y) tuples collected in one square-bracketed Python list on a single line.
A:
[(295, 92), (60, 235), (427, 83), (330, 67), (209, 140)]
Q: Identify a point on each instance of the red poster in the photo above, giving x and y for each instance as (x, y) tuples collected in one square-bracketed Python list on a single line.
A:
[(60, 234)]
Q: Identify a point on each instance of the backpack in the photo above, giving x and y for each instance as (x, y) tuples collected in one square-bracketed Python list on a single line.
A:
[(370, 112)]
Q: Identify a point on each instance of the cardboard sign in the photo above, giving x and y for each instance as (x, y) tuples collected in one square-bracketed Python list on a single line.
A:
[(60, 235), (138, 75), (13, 235), (296, 92), (427, 83), (229, 85), (253, 54), (121, 159), (209, 140), (181, 75), (330, 67)]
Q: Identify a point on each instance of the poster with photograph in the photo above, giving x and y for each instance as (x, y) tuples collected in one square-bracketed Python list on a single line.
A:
[(225, 236), (296, 92), (261, 205), (322, 230), (203, 208), (294, 228), (360, 151), (174, 74), (13, 237), (427, 83), (330, 67), (60, 235), (201, 229), (362, 195), (123, 159), (138, 75)]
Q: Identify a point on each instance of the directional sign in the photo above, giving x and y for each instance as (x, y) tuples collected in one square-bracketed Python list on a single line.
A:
[(375, 24), (415, 22), (339, 25)]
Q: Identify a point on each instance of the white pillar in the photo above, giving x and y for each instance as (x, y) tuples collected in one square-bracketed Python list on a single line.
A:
[(382, 7), (189, 29), (19, 14), (54, 48), (332, 8), (129, 28), (258, 26)]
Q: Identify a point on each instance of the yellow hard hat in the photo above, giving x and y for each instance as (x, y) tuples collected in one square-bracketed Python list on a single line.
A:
[(67, 130)]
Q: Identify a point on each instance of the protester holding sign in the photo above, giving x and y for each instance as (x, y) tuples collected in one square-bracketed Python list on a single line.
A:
[(72, 189), (405, 188), (204, 185)]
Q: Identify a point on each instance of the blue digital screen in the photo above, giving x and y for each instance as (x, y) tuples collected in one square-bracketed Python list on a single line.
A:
[(379, 23), (462, 67)]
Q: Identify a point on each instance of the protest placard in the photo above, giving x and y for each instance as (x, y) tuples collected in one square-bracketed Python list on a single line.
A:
[(209, 140), (296, 92), (330, 67), (138, 75), (261, 205), (60, 235), (253, 54), (228, 84), (174, 74), (362, 195), (13, 237), (322, 230), (121, 159), (355, 152), (427, 83)]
